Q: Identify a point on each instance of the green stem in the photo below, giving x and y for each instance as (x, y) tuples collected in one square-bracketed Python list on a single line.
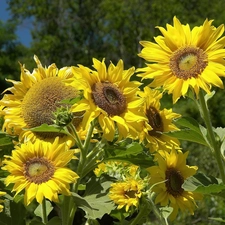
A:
[(69, 206), (68, 210), (140, 215), (76, 137), (44, 214), (158, 214), (215, 146)]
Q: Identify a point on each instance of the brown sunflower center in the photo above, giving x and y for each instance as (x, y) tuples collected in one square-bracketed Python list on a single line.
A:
[(109, 98), (130, 194), (42, 99), (174, 181), (188, 62), (38, 170), (155, 121)]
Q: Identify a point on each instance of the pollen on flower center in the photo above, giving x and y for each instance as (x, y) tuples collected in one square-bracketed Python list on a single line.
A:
[(109, 98), (155, 121), (174, 181), (42, 99), (38, 170), (188, 62)]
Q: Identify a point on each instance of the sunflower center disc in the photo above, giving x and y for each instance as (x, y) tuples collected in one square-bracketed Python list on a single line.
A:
[(109, 98), (38, 170), (188, 62), (42, 99), (130, 194), (155, 121), (174, 182)]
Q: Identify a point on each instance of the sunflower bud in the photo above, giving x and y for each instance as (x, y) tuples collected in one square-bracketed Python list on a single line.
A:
[(62, 116)]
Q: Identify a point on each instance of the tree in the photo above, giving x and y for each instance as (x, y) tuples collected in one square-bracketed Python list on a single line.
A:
[(11, 51)]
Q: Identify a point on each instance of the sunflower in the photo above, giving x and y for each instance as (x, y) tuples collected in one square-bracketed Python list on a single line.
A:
[(32, 101), (126, 193), (167, 178), (117, 169), (159, 121), (111, 97), (184, 58), (40, 169)]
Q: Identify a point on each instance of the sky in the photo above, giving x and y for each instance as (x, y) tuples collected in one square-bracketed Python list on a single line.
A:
[(22, 32)]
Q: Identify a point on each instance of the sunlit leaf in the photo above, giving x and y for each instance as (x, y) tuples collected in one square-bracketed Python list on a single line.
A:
[(205, 185), (38, 210), (49, 128), (188, 135), (188, 122), (97, 202)]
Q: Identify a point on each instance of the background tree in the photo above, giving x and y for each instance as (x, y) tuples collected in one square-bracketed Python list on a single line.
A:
[(11, 51)]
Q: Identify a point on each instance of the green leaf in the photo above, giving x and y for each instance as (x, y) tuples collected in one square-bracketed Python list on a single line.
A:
[(38, 210), (190, 123), (54, 221), (205, 185), (192, 131), (132, 152), (117, 151), (14, 213), (72, 101), (166, 211), (217, 219), (209, 96), (5, 142), (188, 135), (49, 128), (97, 202), (221, 136), (220, 132), (36, 222)]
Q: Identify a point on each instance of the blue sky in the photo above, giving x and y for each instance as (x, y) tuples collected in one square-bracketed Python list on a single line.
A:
[(23, 31)]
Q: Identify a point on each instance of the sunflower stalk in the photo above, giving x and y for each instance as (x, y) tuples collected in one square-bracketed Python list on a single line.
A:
[(204, 111), (72, 130), (91, 165), (69, 204), (44, 212)]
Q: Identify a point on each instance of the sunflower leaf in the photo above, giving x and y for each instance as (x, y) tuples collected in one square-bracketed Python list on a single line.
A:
[(54, 221), (48, 128), (38, 210), (116, 151), (217, 219), (97, 202), (190, 123), (209, 96), (188, 135), (6, 142), (205, 185)]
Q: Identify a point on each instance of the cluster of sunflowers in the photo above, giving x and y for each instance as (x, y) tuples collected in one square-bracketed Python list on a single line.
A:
[(82, 135)]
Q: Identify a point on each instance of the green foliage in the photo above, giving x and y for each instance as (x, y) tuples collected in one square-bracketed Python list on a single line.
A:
[(71, 32), (11, 51)]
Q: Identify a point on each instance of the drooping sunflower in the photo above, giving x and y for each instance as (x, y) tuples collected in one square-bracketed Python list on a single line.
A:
[(183, 58), (159, 121), (32, 101), (167, 179), (40, 169), (111, 97), (126, 193)]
